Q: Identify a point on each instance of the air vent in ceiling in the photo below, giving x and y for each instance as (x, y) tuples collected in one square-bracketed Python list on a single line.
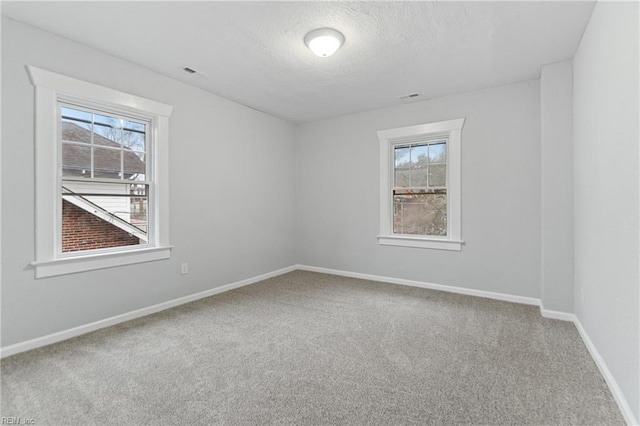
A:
[(193, 71), (410, 96)]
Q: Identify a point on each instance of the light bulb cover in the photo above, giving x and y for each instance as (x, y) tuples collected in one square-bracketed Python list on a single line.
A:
[(324, 41)]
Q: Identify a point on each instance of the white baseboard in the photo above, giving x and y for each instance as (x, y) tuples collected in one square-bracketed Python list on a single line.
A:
[(87, 328), (564, 316), (421, 284), (606, 373)]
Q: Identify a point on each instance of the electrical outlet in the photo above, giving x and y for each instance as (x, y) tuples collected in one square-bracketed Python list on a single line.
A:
[(184, 269)]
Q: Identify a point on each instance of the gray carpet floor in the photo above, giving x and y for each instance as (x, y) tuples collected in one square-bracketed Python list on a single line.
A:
[(310, 349)]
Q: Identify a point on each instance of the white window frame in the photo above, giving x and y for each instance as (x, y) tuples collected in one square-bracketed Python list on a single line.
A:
[(50, 89), (389, 138)]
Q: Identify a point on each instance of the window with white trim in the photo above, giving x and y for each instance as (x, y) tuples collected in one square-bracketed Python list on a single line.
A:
[(420, 186), (101, 176), (105, 180)]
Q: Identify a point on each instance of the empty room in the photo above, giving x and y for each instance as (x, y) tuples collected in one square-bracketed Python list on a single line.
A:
[(319, 213)]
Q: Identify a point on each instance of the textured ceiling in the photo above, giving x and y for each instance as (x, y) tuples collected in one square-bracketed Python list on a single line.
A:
[(254, 54)]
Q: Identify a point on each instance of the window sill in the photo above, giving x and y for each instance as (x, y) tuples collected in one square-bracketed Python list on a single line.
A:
[(420, 242), (72, 265)]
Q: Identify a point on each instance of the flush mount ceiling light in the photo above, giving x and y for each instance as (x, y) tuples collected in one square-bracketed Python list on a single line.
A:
[(324, 41)]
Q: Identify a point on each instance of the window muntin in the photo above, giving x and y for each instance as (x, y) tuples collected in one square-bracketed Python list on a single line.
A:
[(419, 188), (104, 191)]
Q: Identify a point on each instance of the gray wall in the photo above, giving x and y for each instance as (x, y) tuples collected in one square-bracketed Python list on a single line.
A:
[(556, 143), (606, 189), (337, 193), (231, 203)]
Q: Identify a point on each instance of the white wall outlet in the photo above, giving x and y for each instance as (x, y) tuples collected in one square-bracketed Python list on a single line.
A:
[(184, 269)]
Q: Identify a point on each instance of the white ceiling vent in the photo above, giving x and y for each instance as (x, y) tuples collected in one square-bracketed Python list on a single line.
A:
[(194, 72), (409, 96)]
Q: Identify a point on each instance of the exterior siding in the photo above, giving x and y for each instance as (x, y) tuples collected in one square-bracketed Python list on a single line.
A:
[(120, 206)]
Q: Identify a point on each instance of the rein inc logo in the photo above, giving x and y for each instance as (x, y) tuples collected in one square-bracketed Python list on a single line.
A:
[(17, 421)]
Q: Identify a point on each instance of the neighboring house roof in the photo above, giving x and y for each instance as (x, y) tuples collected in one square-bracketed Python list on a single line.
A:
[(78, 157)]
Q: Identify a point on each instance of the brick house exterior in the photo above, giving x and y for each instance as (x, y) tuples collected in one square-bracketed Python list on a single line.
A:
[(82, 230)]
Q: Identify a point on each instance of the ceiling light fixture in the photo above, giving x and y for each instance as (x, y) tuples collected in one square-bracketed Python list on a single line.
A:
[(324, 41)]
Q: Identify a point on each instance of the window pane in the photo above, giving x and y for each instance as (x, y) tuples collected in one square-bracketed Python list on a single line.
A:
[(134, 125), (437, 175), (419, 155), (133, 164), (138, 177), (103, 215), (75, 114), (107, 121), (76, 160), (76, 131), (419, 177), (420, 213), (139, 207), (402, 178), (438, 153), (133, 140), (109, 128), (106, 163), (107, 136), (141, 155), (402, 156)]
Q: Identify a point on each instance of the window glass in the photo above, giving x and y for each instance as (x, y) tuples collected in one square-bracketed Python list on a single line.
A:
[(419, 189), (98, 150), (420, 213), (437, 153)]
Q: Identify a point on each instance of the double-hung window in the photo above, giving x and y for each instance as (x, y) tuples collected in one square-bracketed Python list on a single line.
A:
[(420, 186), (105, 180), (101, 176)]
